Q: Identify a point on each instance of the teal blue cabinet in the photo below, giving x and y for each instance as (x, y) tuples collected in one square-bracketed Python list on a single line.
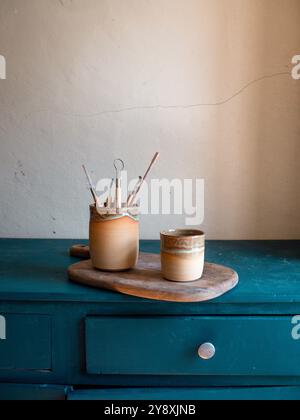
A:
[(59, 340), (25, 392), (187, 394)]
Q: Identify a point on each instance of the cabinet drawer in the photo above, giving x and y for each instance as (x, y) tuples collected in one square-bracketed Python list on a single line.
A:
[(27, 345), (245, 346)]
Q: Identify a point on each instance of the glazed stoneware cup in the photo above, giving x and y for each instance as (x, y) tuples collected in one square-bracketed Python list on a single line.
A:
[(114, 241), (182, 255)]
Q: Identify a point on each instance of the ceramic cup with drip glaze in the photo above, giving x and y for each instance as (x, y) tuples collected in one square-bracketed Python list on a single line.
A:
[(182, 255), (114, 240)]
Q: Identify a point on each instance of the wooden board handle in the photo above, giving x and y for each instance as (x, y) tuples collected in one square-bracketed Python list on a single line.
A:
[(80, 251)]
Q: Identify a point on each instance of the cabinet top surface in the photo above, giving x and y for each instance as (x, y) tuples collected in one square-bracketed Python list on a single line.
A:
[(36, 270)]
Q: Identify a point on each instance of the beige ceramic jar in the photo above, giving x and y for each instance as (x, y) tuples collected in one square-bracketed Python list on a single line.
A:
[(114, 241), (182, 255)]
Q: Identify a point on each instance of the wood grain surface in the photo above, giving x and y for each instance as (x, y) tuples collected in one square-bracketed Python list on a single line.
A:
[(146, 281), (80, 251)]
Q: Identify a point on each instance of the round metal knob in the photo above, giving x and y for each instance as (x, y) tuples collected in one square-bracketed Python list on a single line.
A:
[(207, 351)]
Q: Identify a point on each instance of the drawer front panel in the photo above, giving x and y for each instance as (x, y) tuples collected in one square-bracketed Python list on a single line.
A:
[(25, 342), (245, 346)]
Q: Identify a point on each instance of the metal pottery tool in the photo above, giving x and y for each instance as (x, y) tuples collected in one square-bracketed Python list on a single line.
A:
[(91, 186), (119, 167), (131, 201)]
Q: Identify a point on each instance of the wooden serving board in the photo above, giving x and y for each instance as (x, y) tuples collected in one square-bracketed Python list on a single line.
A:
[(146, 281), (80, 251)]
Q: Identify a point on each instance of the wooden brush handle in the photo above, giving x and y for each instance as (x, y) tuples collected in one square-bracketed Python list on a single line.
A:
[(153, 162)]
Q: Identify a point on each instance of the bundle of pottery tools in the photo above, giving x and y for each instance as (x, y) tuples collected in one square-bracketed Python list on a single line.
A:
[(113, 204), (114, 225)]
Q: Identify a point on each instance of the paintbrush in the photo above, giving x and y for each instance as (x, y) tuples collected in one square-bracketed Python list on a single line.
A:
[(108, 202), (134, 192), (91, 186), (141, 183)]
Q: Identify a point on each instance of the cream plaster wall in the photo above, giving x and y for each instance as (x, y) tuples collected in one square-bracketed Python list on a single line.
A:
[(206, 82)]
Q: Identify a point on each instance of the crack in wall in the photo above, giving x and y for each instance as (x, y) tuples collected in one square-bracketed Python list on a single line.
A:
[(169, 107)]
